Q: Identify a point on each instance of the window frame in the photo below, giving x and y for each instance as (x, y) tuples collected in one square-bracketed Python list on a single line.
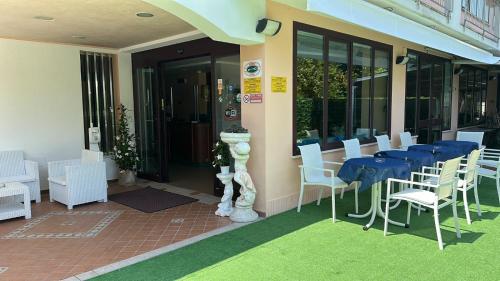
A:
[(477, 92), (330, 35)]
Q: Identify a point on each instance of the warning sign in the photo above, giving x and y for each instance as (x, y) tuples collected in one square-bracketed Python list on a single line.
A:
[(278, 84), (252, 85)]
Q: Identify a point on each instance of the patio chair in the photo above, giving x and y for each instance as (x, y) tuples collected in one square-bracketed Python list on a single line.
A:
[(492, 173), (353, 149), (472, 137), (384, 143), (312, 173), (444, 189), (78, 181), (406, 140), (13, 168)]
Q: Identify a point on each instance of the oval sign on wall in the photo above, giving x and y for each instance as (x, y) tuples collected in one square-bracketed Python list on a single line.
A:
[(252, 69)]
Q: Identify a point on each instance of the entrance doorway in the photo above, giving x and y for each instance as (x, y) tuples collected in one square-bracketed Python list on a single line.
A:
[(182, 105)]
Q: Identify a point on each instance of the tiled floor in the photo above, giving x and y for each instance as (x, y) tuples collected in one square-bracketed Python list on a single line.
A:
[(57, 243)]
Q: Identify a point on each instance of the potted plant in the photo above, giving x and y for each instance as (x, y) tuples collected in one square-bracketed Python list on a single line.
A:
[(222, 156), (124, 152), (235, 134)]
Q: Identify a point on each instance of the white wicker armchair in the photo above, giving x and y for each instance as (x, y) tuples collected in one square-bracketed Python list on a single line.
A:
[(13, 168), (78, 181)]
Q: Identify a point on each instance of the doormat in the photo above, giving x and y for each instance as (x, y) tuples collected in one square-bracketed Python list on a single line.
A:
[(150, 200)]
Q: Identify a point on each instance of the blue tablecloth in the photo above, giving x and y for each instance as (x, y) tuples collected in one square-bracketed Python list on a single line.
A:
[(465, 146), (416, 159), (370, 170), (440, 152)]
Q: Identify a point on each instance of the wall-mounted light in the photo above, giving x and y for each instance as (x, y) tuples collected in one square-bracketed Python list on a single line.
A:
[(458, 71), (402, 60), (268, 27), (493, 77)]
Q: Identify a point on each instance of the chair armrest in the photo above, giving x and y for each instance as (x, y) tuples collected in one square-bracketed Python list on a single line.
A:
[(389, 180), (332, 172), (333, 163), (424, 174), (31, 168), (56, 168), (424, 168)]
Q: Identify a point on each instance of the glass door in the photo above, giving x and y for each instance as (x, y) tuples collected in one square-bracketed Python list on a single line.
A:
[(147, 125)]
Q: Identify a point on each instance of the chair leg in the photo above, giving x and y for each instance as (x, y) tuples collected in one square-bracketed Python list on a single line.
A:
[(333, 205), (498, 189), (438, 230), (386, 218), (455, 218), (476, 197), (480, 179), (342, 193), (70, 207), (408, 214), (300, 198), (321, 195), (356, 204), (466, 205)]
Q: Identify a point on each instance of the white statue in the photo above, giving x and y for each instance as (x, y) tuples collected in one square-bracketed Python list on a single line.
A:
[(226, 203), (240, 149)]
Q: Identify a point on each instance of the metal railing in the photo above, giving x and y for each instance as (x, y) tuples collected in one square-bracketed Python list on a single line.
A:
[(444, 7), (487, 29)]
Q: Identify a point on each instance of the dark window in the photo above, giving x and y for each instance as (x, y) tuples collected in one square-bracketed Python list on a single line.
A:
[(327, 64), (428, 93), (97, 94), (472, 97)]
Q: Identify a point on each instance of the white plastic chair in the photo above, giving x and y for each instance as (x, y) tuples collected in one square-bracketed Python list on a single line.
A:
[(384, 143), (78, 181), (476, 137), (470, 182), (353, 149), (492, 173), (406, 140), (445, 189), (13, 168), (312, 173)]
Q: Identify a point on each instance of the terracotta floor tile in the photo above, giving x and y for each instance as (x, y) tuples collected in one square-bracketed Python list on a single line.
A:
[(40, 252)]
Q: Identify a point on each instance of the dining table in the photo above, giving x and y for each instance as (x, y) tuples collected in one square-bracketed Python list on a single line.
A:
[(466, 147), (416, 159), (371, 172), (440, 153)]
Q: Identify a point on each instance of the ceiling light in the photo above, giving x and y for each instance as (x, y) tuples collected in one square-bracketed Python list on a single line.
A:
[(79, 36), (45, 18), (390, 9), (144, 15)]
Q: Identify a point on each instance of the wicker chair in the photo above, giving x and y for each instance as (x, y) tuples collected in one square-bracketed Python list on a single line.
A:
[(13, 168), (78, 181)]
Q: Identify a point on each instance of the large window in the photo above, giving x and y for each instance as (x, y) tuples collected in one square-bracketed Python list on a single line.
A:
[(428, 95), (472, 97), (342, 87), (97, 94)]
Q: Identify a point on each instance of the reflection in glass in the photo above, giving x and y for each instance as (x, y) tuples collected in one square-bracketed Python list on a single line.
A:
[(381, 89), (309, 100), (411, 94), (228, 103), (337, 91), (361, 79), (447, 92)]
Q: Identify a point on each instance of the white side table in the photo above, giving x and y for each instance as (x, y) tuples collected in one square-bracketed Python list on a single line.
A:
[(9, 206)]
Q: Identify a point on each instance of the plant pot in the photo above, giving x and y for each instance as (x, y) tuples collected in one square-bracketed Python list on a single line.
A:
[(224, 170), (127, 178)]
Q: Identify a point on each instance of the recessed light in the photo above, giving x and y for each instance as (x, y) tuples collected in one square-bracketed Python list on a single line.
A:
[(144, 15), (45, 18), (79, 36), (390, 9)]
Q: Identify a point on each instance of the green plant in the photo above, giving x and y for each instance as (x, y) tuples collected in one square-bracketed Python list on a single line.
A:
[(235, 129), (124, 151), (221, 153)]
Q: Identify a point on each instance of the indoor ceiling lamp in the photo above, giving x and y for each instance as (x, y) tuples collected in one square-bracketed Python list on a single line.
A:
[(268, 27)]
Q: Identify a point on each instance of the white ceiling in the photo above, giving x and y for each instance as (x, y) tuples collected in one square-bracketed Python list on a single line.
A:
[(104, 23)]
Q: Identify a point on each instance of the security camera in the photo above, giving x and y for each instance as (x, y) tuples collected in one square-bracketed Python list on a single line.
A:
[(268, 27), (402, 60)]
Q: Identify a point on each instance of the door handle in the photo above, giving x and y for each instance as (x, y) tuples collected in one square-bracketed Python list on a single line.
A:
[(172, 102)]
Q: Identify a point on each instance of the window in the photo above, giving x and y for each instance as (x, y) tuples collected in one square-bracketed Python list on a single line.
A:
[(341, 87), (472, 97), (97, 94), (428, 92), (478, 8)]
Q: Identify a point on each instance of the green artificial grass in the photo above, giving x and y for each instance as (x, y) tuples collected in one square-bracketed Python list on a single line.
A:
[(307, 246)]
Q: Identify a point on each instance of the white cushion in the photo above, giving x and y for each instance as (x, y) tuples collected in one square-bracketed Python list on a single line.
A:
[(337, 182), (486, 172), (491, 163), (23, 178), (59, 180), (416, 195)]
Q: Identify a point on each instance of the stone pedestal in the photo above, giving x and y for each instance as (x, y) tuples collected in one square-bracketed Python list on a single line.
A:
[(240, 149), (226, 203)]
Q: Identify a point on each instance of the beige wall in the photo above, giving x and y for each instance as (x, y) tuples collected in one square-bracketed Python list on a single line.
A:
[(272, 121), (41, 109)]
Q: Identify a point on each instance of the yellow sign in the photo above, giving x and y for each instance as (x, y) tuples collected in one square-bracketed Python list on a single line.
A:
[(252, 85), (278, 84)]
